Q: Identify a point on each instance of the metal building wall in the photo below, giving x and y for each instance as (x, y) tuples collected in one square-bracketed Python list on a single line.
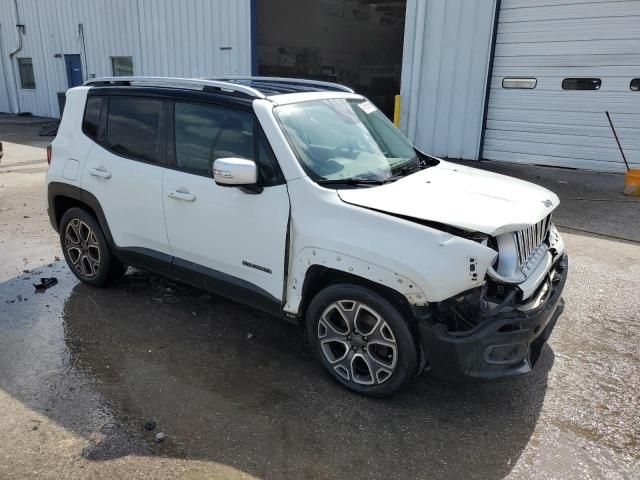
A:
[(164, 37), (447, 46)]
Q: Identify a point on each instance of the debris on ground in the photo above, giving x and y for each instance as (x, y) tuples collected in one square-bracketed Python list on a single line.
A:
[(46, 282), (150, 426), (19, 297), (159, 437)]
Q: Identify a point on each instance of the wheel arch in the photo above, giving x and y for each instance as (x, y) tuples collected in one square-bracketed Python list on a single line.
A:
[(62, 197)]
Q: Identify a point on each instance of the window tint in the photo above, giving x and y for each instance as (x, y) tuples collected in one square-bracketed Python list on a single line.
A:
[(581, 84), (91, 120), (527, 83), (133, 128), (635, 84), (27, 78), (122, 66), (204, 133)]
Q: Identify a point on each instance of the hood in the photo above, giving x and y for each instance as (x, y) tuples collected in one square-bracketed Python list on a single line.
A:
[(461, 197)]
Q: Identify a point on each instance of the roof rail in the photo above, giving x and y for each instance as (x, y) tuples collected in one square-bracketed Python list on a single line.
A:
[(172, 81), (295, 81)]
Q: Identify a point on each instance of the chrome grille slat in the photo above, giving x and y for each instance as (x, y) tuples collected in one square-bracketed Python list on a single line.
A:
[(529, 239)]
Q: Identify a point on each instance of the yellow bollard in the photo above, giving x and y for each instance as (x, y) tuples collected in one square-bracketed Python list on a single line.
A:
[(632, 182), (396, 112)]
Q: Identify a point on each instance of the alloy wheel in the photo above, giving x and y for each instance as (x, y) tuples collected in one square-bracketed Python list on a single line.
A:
[(357, 342), (83, 250)]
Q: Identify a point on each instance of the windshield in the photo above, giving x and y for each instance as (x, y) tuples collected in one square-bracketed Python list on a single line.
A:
[(340, 139)]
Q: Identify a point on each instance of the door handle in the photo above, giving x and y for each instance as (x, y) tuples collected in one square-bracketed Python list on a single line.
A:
[(100, 172), (181, 195)]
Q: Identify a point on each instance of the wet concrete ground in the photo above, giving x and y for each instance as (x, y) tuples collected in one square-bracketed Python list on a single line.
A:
[(83, 371)]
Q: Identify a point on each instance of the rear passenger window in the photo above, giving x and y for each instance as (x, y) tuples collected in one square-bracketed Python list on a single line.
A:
[(91, 120), (581, 84), (133, 128), (204, 133)]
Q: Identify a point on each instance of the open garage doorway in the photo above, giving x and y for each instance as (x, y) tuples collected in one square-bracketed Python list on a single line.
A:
[(354, 42)]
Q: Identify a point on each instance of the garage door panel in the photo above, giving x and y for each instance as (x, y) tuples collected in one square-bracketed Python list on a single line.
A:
[(616, 72), (570, 11), (511, 4), (599, 130), (570, 101), (551, 40), (611, 167), (576, 60), (576, 139), (628, 122), (593, 154), (595, 47), (610, 84)]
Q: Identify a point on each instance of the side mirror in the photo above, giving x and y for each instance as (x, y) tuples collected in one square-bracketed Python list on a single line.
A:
[(236, 172)]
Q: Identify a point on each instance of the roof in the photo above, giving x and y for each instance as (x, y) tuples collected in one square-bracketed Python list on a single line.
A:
[(256, 87)]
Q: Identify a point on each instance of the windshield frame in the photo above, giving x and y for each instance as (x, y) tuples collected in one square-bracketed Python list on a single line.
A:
[(394, 170)]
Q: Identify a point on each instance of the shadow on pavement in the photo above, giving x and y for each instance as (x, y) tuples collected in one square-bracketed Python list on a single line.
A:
[(106, 362)]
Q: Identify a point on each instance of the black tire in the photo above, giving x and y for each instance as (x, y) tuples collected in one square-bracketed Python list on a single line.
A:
[(325, 314), (86, 250)]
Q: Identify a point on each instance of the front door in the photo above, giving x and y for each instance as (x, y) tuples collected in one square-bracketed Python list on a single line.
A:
[(222, 233), (73, 67)]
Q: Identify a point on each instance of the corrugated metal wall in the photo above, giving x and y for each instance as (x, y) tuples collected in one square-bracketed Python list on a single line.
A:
[(164, 37), (445, 68)]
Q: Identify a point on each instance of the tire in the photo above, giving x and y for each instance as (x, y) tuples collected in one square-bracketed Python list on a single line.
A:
[(362, 340), (86, 250)]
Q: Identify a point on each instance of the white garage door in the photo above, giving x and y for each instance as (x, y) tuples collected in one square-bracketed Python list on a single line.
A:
[(594, 48)]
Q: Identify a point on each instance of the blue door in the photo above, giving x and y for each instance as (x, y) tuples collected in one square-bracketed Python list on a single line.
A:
[(74, 70)]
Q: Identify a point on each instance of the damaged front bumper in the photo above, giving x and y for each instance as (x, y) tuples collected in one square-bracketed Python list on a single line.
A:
[(503, 341)]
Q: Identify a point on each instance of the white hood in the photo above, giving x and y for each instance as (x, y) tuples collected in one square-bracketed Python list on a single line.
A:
[(461, 197)]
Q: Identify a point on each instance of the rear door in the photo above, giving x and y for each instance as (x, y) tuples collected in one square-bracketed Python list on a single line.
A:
[(124, 172), (223, 234)]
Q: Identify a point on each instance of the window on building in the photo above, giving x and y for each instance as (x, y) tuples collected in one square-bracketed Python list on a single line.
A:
[(204, 133), (581, 84), (133, 128), (122, 66), (91, 120), (635, 85), (27, 79), (525, 83)]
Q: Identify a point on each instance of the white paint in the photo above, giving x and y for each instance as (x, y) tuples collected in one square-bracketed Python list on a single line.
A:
[(445, 67), (551, 40), (164, 37), (462, 197)]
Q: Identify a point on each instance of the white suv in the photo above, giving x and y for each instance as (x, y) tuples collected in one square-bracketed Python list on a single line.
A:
[(301, 199)]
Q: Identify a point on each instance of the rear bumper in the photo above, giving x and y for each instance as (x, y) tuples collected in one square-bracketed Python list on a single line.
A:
[(507, 344)]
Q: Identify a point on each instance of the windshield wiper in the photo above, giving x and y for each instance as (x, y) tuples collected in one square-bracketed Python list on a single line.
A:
[(351, 181)]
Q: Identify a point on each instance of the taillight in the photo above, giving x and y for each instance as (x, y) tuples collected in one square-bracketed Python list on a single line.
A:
[(49, 154)]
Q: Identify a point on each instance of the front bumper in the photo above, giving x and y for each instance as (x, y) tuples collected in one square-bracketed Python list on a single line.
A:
[(504, 345)]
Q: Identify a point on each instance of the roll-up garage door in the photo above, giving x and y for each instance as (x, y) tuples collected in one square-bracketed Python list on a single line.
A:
[(558, 66)]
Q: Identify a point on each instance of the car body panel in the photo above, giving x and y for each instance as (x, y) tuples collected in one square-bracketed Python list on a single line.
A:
[(462, 197)]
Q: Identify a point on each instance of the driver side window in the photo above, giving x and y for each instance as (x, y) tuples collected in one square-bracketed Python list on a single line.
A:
[(204, 133)]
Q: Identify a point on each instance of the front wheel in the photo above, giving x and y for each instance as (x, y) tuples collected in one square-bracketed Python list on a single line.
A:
[(362, 340)]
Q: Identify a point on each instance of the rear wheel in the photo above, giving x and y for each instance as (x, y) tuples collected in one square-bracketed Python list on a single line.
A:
[(362, 339), (85, 249)]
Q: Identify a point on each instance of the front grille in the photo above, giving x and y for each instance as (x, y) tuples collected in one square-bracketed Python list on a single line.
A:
[(528, 240)]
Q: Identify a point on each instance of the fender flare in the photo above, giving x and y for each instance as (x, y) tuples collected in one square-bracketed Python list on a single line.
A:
[(313, 256)]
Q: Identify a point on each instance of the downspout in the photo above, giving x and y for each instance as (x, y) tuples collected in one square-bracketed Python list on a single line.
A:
[(20, 29)]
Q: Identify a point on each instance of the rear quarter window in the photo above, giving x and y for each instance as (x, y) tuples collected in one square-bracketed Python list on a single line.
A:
[(91, 120)]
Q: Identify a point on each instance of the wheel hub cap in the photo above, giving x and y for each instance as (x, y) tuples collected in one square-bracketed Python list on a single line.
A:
[(82, 247), (357, 342)]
